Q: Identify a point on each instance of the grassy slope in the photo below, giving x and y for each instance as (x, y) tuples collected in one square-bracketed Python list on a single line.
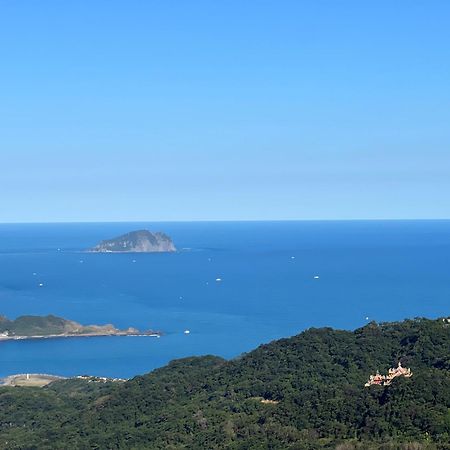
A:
[(36, 325), (48, 325)]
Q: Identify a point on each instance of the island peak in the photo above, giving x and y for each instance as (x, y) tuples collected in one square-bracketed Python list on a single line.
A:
[(140, 241)]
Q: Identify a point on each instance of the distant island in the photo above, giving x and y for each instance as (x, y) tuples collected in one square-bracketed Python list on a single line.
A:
[(41, 327), (141, 241)]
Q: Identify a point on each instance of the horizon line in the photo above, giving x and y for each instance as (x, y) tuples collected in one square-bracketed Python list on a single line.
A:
[(227, 221)]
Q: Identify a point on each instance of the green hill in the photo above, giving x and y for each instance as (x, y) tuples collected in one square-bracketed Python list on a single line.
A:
[(53, 326), (37, 325), (304, 392)]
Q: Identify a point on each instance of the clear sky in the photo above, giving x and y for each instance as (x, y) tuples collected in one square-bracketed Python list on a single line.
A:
[(220, 110)]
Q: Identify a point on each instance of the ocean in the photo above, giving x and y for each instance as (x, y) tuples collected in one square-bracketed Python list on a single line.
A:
[(276, 279)]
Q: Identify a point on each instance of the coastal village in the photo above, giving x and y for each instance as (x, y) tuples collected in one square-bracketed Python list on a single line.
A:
[(386, 380), (94, 379)]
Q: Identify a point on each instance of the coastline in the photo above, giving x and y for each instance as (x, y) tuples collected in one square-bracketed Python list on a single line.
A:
[(128, 251), (81, 335), (29, 380), (43, 379)]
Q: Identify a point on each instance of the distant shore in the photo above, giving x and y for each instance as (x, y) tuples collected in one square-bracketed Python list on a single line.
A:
[(42, 379), (80, 335), (29, 380)]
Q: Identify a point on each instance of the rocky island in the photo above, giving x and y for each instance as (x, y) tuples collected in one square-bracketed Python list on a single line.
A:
[(141, 241), (39, 327)]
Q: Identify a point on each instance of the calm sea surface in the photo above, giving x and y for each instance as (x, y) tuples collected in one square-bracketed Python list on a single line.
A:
[(376, 270)]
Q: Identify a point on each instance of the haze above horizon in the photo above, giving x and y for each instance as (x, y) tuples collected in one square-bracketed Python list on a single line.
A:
[(183, 111)]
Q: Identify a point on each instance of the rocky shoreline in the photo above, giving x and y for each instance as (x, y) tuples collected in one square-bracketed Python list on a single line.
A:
[(81, 335)]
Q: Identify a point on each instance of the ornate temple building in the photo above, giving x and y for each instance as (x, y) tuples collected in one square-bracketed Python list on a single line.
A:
[(386, 380)]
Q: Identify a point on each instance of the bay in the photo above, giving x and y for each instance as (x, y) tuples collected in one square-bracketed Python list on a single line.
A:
[(276, 279)]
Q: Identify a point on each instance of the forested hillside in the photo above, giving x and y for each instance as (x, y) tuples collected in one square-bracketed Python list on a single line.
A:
[(304, 392)]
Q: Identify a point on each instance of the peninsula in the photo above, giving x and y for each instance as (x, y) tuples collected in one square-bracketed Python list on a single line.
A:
[(140, 241), (46, 327)]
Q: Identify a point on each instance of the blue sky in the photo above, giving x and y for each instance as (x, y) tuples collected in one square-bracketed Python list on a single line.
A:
[(203, 110)]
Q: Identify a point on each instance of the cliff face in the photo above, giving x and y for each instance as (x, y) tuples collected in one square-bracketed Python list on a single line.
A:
[(142, 241)]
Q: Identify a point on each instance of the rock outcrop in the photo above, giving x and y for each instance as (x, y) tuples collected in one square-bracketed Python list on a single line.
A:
[(141, 241)]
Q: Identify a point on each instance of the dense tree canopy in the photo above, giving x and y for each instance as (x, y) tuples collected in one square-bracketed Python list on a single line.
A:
[(304, 392)]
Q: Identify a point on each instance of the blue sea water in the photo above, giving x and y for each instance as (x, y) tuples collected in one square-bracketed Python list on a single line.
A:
[(380, 270)]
